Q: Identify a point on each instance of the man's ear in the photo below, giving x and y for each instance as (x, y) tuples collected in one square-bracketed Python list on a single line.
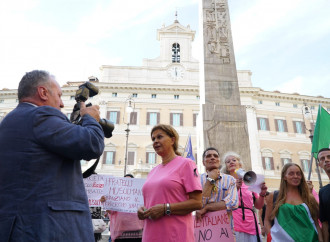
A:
[(42, 93)]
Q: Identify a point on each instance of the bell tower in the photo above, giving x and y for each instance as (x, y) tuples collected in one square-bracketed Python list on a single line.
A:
[(175, 43)]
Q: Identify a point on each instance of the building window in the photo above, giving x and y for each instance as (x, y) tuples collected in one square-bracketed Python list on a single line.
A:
[(109, 157), (134, 95), (133, 118), (114, 94), (152, 118), (175, 53), (299, 127), (195, 119), (113, 116), (198, 97), (153, 95), (259, 101), (176, 96), (305, 165), (151, 158), (312, 107), (130, 157), (281, 125), (2, 101), (285, 161), (328, 109), (295, 105), (268, 163), (263, 123), (72, 98), (176, 119), (277, 104), (68, 115)]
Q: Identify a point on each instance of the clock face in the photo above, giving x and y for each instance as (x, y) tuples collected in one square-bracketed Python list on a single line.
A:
[(176, 72)]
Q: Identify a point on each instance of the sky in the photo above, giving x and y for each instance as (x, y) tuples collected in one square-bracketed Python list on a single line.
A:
[(284, 43)]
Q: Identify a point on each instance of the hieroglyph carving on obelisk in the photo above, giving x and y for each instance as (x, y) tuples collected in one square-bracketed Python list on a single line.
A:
[(217, 31), (224, 118)]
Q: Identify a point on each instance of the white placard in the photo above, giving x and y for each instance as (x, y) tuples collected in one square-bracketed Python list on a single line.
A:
[(123, 194)]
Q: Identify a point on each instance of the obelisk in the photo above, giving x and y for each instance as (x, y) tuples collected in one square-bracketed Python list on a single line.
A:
[(224, 118)]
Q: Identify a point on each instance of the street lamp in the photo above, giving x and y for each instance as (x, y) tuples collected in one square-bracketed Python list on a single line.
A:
[(129, 108), (307, 114)]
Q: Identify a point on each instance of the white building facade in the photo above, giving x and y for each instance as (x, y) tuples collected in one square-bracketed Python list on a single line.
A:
[(167, 90)]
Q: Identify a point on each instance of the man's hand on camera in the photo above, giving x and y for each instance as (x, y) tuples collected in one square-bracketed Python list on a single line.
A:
[(93, 111)]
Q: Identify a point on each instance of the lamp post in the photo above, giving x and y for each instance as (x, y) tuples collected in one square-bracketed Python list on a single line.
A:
[(307, 113), (129, 108)]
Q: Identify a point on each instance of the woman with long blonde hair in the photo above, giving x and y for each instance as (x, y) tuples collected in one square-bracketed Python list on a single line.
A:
[(295, 212)]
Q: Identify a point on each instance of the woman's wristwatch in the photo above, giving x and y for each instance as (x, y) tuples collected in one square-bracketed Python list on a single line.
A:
[(212, 181), (168, 209)]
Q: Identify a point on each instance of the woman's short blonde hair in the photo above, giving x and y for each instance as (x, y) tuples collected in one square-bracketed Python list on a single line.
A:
[(226, 156)]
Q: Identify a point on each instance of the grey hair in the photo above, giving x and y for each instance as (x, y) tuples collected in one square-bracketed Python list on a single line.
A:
[(30, 81), (225, 157)]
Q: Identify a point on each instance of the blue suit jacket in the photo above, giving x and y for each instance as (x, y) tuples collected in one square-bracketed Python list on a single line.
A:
[(42, 195)]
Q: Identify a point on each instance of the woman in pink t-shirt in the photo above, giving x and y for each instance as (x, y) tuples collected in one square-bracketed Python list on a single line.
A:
[(245, 220), (171, 192)]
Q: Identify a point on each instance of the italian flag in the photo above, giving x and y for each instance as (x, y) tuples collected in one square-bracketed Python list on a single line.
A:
[(294, 223)]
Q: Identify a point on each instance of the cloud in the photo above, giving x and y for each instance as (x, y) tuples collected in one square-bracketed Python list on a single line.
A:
[(294, 85)]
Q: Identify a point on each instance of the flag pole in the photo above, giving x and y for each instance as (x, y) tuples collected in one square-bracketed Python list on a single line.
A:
[(310, 166), (186, 144), (313, 152)]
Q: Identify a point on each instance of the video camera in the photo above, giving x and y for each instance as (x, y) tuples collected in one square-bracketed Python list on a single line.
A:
[(85, 91)]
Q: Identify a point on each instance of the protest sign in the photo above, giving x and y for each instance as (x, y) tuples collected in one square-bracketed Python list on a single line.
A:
[(94, 186), (214, 226), (123, 194)]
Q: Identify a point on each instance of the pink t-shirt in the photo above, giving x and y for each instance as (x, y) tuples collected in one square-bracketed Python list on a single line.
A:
[(170, 184), (123, 222), (248, 225)]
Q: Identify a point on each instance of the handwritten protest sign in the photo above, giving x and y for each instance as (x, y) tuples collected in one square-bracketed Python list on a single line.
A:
[(94, 186), (123, 194), (214, 226)]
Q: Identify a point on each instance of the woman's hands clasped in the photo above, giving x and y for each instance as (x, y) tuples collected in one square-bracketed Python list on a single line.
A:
[(153, 213)]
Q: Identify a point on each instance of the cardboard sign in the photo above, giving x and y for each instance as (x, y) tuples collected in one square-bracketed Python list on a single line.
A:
[(123, 194), (214, 226), (94, 186)]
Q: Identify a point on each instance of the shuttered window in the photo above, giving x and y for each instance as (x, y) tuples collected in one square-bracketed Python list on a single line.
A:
[(176, 119), (263, 124), (268, 163), (113, 116), (153, 118)]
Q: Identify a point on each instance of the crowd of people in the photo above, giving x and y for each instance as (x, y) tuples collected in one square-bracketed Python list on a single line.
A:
[(42, 195)]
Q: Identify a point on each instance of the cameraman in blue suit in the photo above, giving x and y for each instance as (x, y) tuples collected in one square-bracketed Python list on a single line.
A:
[(42, 194)]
